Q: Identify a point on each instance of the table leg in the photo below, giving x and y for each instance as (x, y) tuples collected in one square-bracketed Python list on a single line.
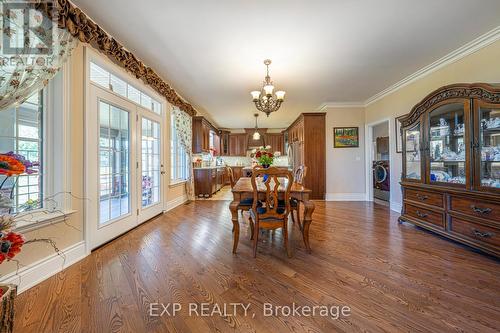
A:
[(236, 225), (308, 211)]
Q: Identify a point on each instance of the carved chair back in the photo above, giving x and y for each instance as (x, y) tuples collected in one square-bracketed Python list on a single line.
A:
[(300, 174), (231, 176), (273, 206)]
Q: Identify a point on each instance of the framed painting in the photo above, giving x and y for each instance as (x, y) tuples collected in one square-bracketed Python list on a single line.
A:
[(345, 137), (399, 135)]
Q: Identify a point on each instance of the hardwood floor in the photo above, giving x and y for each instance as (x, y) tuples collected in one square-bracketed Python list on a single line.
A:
[(394, 278)]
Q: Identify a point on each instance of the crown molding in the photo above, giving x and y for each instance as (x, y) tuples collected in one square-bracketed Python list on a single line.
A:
[(338, 105), (480, 42)]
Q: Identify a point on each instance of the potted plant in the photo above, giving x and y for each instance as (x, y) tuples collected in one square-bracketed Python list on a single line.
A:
[(264, 156)]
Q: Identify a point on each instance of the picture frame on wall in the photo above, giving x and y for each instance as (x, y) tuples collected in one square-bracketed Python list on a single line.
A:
[(399, 135), (345, 137)]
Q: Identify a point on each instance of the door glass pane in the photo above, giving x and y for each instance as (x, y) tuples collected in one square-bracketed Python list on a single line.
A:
[(413, 166), (447, 146), (113, 162), (489, 137), (150, 162)]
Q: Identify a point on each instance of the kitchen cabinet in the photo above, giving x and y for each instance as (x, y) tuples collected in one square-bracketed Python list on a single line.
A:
[(276, 141), (224, 143), (238, 144), (451, 165), (201, 135), (309, 150), (208, 181)]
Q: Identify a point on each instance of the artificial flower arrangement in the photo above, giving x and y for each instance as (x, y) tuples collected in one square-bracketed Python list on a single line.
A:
[(263, 156), (12, 165)]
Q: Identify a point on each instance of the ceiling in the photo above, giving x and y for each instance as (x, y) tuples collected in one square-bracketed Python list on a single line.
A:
[(211, 51)]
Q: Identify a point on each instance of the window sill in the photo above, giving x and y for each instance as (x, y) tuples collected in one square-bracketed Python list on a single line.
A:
[(40, 219), (177, 183)]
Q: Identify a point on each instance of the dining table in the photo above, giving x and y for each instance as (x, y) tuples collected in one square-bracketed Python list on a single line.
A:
[(243, 190)]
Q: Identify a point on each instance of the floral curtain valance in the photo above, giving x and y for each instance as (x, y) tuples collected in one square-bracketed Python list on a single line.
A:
[(184, 127), (34, 48)]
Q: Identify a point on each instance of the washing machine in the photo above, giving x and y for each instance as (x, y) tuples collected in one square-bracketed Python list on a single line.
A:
[(381, 180)]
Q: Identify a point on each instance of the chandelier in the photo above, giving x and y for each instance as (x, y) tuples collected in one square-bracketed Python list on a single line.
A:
[(264, 99)]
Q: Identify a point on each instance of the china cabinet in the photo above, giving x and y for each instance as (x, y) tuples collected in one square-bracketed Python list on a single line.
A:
[(451, 164)]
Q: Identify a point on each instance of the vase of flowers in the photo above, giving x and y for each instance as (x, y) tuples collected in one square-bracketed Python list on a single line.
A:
[(264, 157)]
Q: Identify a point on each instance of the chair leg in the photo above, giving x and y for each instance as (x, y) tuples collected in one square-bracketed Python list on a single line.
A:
[(293, 217), (285, 237), (298, 215), (251, 226), (255, 238)]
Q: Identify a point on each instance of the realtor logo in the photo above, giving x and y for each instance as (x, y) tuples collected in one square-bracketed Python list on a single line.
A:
[(26, 30)]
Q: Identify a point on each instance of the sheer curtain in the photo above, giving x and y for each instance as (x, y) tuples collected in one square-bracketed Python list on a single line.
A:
[(28, 62), (184, 126)]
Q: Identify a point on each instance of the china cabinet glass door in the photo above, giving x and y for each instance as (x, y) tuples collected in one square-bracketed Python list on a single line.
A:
[(447, 148), (412, 137), (488, 147)]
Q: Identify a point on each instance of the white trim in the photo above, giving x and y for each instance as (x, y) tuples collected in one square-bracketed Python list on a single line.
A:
[(35, 273), (345, 197), (40, 219), (396, 206), (475, 45), (176, 202), (339, 105)]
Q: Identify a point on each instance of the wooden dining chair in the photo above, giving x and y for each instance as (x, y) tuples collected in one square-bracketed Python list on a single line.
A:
[(245, 204), (270, 214), (299, 175)]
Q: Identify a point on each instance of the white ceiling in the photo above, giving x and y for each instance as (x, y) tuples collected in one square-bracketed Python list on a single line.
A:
[(211, 51)]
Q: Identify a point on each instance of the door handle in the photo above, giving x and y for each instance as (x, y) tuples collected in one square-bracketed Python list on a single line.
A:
[(422, 197)]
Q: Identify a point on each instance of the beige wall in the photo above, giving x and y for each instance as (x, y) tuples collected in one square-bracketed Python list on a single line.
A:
[(69, 233), (481, 66), (345, 167)]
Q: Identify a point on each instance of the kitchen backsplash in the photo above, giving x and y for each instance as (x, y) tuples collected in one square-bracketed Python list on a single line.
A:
[(208, 160)]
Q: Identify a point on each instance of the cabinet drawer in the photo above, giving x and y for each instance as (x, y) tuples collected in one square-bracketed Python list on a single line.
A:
[(429, 198), (476, 208), (476, 232), (425, 215)]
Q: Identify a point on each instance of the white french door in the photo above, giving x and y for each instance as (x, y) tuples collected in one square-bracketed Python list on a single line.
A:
[(124, 165)]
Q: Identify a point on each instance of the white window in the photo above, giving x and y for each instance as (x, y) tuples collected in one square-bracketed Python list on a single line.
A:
[(38, 130), (179, 157), (21, 132), (105, 79)]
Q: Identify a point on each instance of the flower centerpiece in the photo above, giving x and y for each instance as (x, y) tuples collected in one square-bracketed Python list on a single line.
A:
[(264, 156)]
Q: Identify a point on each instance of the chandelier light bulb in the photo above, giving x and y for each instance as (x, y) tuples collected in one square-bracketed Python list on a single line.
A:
[(280, 95), (256, 136), (268, 88), (255, 95)]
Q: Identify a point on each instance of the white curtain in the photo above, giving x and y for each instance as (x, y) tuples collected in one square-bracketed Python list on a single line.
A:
[(27, 63), (184, 126)]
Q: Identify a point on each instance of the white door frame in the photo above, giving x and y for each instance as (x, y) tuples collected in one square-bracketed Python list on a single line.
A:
[(369, 154), (89, 54)]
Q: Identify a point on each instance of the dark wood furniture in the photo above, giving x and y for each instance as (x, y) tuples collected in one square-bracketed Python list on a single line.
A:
[(298, 176), (208, 181), (451, 165), (238, 144), (201, 135), (224, 142), (243, 189), (272, 211), (307, 140), (276, 141)]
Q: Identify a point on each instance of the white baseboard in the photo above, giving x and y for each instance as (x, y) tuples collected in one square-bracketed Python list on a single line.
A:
[(345, 197), (396, 206), (176, 202), (33, 274)]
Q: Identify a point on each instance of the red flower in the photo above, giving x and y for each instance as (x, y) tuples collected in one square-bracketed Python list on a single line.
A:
[(10, 246), (258, 155), (10, 166)]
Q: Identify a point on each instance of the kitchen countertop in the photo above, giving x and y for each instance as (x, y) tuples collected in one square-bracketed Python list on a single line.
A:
[(208, 168)]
